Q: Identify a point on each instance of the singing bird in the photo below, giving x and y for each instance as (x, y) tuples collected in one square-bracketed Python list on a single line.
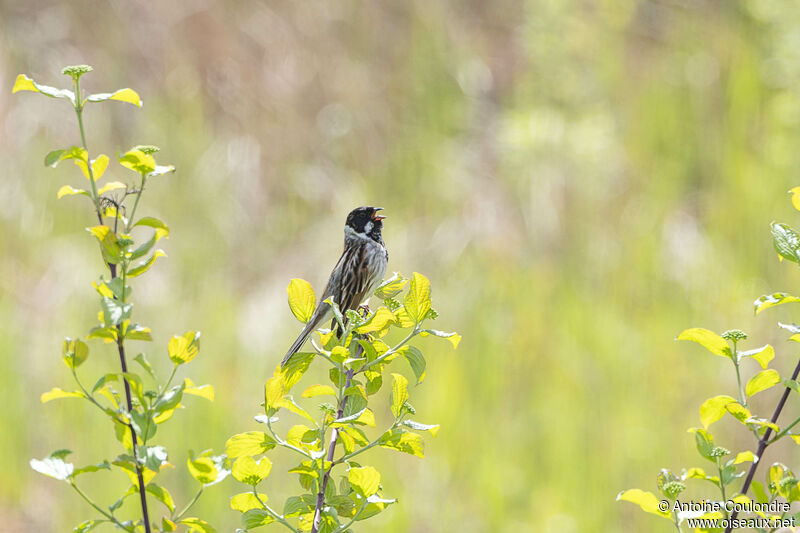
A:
[(357, 273)]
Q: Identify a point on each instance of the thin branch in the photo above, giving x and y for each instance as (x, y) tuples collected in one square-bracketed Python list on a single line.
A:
[(331, 451), (764, 442)]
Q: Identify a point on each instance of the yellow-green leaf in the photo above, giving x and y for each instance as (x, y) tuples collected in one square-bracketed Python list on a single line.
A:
[(762, 355), (403, 441), (248, 444), (248, 471), (74, 352), (185, 348), (453, 337), (66, 190), (708, 339), (771, 300), (318, 390), (745, 457), (138, 161), (301, 299), (713, 409), (391, 287), (203, 469), (646, 500), (127, 95), (24, 83), (795, 192), (274, 390), (418, 299), (111, 186), (377, 321), (762, 381), (56, 394), (247, 500), (365, 480), (399, 393), (144, 267), (203, 391)]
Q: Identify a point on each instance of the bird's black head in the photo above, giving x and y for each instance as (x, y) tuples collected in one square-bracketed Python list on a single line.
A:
[(366, 221)]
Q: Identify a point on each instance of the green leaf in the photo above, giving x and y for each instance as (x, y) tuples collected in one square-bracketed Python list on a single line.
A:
[(256, 518), (203, 391), (418, 426), (762, 381), (144, 267), (705, 442), (109, 245), (138, 161), (24, 83), (123, 95), (274, 389), (296, 505), (403, 441), (88, 525), (195, 525), (318, 390), (202, 469), (453, 337), (295, 368), (739, 412), (105, 465), (417, 362), (365, 480), (247, 500), (377, 321), (301, 299), (248, 444), (161, 229), (66, 190), (771, 300), (154, 457), (745, 457), (647, 501), (114, 311), (399, 393), (391, 287), (135, 332), (56, 394), (162, 495), (182, 349), (418, 299), (708, 339), (762, 355), (74, 352), (246, 470), (786, 241), (713, 409), (54, 467)]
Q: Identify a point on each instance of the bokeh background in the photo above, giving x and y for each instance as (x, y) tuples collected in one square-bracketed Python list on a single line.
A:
[(580, 180)]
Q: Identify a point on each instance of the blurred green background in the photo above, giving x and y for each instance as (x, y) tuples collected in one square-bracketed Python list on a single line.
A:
[(580, 180)]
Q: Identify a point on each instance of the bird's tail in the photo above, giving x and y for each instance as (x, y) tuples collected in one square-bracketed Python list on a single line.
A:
[(318, 316)]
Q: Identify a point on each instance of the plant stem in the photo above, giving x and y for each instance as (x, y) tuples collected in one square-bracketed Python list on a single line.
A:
[(722, 488), (272, 513), (79, 113), (135, 203), (91, 502), (331, 450), (764, 442), (120, 342), (189, 505)]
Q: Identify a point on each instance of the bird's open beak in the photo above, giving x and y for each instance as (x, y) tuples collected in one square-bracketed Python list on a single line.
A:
[(376, 216)]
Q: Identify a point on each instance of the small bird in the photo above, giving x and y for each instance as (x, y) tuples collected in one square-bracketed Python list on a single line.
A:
[(357, 273)]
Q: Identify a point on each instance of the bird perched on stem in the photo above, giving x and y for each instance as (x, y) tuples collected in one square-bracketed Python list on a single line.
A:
[(357, 273)]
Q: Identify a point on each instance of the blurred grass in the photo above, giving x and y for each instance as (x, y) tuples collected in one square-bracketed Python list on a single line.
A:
[(580, 181)]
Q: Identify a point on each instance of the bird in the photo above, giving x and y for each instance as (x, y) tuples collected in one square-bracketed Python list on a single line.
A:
[(358, 272)]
